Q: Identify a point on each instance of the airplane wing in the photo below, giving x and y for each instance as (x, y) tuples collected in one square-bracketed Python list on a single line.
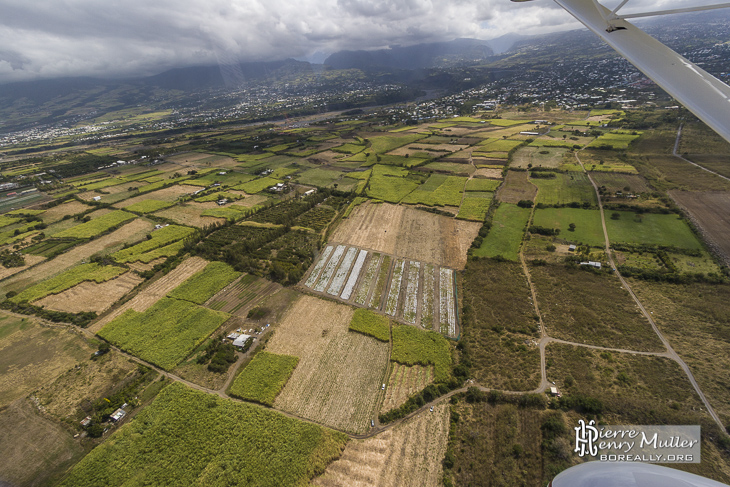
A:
[(703, 94)]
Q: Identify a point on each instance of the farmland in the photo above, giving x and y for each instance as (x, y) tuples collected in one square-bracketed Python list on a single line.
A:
[(339, 373), (651, 229), (708, 211), (505, 235), (372, 324), (97, 225), (157, 239), (516, 187), (565, 188), (90, 296), (403, 382), (264, 377), (412, 346), (587, 229), (231, 434), (202, 286)]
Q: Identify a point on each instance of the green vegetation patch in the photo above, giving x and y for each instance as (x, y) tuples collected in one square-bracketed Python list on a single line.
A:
[(386, 143), (438, 190), (505, 235), (388, 183), (372, 324), (565, 143), (24, 212), (264, 377), (158, 238), (651, 229), (257, 185), (613, 140), (564, 188), (319, 177), (498, 145), (187, 437), (588, 229), (219, 196), (164, 334), (70, 278), (98, 225), (148, 206), (203, 285), (477, 184), (6, 221), (412, 346), (503, 122), (475, 206)]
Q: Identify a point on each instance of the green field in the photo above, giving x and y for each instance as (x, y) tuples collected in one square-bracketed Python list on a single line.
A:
[(438, 190), (565, 188), (319, 177), (257, 185), (588, 228), (371, 324), (497, 145), (412, 346), (475, 206), (505, 236), (202, 286), (148, 206), (98, 225), (651, 229), (503, 122), (158, 238), (187, 437), (614, 140), (389, 184), (164, 334), (264, 377), (386, 143), (70, 278), (482, 184), (567, 144)]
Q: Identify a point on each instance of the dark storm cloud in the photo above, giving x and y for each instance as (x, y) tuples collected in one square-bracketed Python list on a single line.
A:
[(49, 38)]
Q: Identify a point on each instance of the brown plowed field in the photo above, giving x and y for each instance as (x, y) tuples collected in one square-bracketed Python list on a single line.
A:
[(516, 187), (189, 214), (155, 291), (711, 212), (90, 296), (408, 455), (239, 297), (166, 194), (337, 381), (405, 381), (407, 232), (58, 212), (133, 231)]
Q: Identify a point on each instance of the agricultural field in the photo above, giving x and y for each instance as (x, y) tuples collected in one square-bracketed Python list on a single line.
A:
[(438, 190), (615, 140), (190, 214), (90, 296), (474, 206), (371, 324), (131, 232), (403, 382), (157, 239), (565, 188), (69, 208), (588, 229), (412, 346), (708, 211), (410, 454), (482, 185), (651, 229), (30, 260), (295, 451), (32, 355), (533, 157), (409, 233), (505, 235), (620, 182), (205, 284), (612, 321), (339, 375), (148, 206), (165, 333), (516, 187), (155, 291), (243, 295), (72, 277), (97, 225), (498, 320), (389, 184), (264, 377)]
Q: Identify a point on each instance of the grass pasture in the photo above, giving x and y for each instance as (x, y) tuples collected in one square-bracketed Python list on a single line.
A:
[(148, 206), (588, 229), (565, 188), (614, 140), (547, 157), (164, 334), (438, 190), (212, 445), (516, 187), (257, 185), (651, 229), (264, 377), (389, 184), (479, 184), (505, 236)]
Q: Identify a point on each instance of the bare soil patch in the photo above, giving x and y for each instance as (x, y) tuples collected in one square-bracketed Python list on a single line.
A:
[(407, 232), (203, 160), (133, 231), (32, 355), (34, 448), (489, 173), (711, 213), (408, 455), (516, 187), (90, 296), (155, 291), (339, 375)]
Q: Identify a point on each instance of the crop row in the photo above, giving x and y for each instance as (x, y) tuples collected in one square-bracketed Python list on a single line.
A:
[(427, 296), (318, 266), (341, 273), (391, 304), (446, 303), (354, 274), (329, 268), (367, 280), (410, 306)]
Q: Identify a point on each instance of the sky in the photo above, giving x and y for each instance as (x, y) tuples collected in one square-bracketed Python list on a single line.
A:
[(118, 38)]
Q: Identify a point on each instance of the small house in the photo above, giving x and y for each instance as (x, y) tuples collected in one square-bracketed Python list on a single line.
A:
[(118, 414), (571, 248), (241, 341), (597, 265), (97, 198)]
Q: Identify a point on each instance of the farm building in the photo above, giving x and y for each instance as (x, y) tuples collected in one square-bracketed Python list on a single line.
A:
[(310, 192), (529, 133), (571, 248), (97, 198), (241, 341), (233, 335), (597, 265), (118, 414)]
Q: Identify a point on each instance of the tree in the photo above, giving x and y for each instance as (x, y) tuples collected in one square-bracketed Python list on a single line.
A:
[(571, 227)]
